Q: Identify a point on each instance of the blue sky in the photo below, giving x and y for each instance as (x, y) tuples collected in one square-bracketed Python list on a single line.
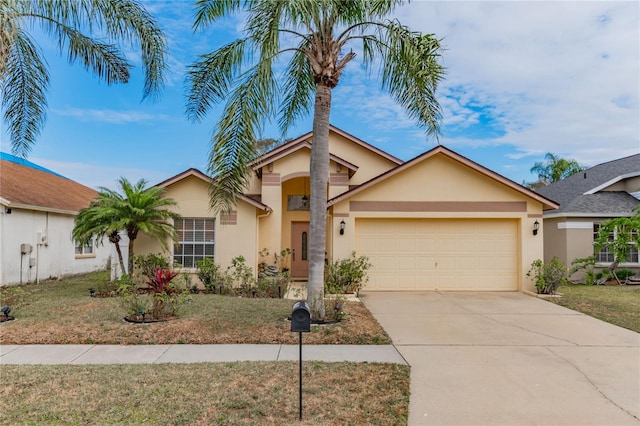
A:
[(523, 79)]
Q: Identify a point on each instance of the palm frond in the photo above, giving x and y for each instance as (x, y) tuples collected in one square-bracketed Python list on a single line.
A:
[(410, 71), (134, 208), (103, 59), (210, 79), (297, 98), (24, 89), (233, 142), (208, 11), (129, 21), (73, 24)]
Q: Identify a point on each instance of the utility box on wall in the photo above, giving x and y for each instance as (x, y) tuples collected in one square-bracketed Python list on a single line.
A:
[(42, 239), (25, 248)]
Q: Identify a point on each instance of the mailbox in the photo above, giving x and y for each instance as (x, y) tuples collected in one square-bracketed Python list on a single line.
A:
[(301, 317)]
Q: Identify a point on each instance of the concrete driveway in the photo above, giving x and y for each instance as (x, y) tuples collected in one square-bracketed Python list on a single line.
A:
[(510, 359)]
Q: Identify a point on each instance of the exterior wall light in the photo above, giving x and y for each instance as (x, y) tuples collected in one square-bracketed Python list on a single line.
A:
[(342, 225), (536, 227)]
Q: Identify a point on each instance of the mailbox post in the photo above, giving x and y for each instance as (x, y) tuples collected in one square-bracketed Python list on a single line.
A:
[(300, 323)]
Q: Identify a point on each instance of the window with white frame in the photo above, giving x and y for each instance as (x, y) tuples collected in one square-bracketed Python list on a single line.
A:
[(196, 241), (606, 256), (84, 249)]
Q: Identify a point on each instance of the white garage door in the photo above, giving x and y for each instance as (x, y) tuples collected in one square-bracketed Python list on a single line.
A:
[(434, 254)]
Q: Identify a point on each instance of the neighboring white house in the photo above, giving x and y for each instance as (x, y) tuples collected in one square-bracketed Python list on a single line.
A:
[(37, 211)]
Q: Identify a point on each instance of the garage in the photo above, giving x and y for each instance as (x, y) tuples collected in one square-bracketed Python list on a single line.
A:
[(440, 254)]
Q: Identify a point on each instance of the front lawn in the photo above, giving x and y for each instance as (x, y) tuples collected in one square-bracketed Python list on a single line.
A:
[(62, 312), (264, 393), (619, 305)]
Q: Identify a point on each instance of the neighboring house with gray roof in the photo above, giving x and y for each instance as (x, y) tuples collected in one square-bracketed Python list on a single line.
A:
[(587, 199), (37, 212)]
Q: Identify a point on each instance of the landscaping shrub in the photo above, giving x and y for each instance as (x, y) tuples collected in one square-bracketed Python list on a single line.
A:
[(548, 276), (586, 265), (334, 308), (623, 274), (148, 264), (210, 274), (163, 301), (273, 286), (134, 303), (241, 277), (347, 275)]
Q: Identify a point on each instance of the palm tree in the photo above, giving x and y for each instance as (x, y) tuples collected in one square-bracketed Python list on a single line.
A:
[(554, 168), (74, 25), (136, 208), (315, 37)]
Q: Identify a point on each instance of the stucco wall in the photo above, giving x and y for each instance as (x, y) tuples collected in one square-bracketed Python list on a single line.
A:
[(231, 240), (430, 187), (572, 238), (53, 258), (369, 163)]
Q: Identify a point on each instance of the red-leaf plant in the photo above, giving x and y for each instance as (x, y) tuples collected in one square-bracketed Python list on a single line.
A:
[(160, 283), (160, 286)]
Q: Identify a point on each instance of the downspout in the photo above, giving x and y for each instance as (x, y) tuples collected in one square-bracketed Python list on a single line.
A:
[(260, 216), (330, 239)]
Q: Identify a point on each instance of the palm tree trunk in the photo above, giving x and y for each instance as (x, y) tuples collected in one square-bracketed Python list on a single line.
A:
[(114, 238), (130, 256), (319, 170), (120, 259)]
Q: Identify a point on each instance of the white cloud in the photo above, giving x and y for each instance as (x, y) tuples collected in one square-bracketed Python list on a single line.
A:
[(557, 76), (110, 116)]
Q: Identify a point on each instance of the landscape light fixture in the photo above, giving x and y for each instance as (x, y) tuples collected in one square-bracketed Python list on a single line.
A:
[(92, 292), (342, 225), (536, 226)]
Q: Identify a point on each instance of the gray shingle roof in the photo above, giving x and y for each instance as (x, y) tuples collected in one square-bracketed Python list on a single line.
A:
[(570, 192)]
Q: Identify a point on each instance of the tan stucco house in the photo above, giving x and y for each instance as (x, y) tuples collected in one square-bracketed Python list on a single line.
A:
[(587, 199), (437, 222)]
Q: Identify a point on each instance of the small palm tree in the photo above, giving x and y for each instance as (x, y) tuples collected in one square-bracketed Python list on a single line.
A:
[(75, 26), (136, 208), (554, 168), (316, 35)]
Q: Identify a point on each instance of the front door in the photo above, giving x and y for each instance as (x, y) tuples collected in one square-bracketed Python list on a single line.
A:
[(299, 249)]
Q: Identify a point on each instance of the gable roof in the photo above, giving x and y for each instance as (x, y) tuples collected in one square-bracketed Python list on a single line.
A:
[(304, 144), (581, 193), (28, 186), (441, 149), (198, 174), (292, 145)]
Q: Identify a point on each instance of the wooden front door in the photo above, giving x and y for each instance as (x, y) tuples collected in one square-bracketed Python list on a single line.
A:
[(299, 249)]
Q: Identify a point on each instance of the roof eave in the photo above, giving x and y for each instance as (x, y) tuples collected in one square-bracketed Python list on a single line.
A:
[(547, 204), (554, 215), (611, 182), (40, 208)]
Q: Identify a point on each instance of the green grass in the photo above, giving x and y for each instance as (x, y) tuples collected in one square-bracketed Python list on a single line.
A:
[(619, 305), (62, 312), (204, 394)]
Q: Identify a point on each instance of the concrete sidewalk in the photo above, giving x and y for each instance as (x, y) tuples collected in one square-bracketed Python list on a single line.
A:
[(156, 354)]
